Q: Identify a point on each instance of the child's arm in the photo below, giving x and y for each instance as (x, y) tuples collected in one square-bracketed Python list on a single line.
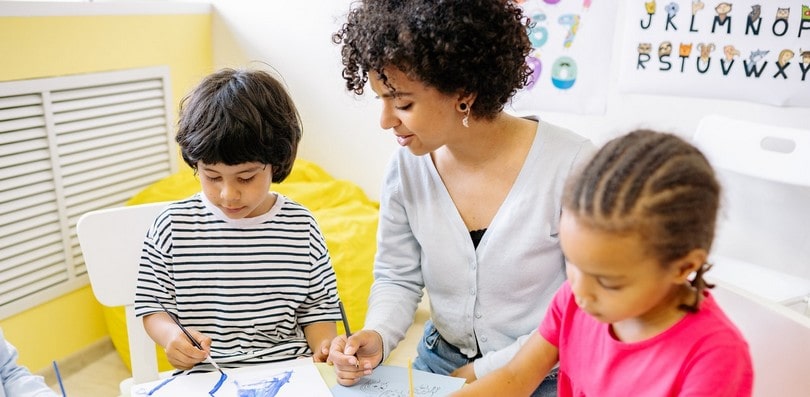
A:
[(521, 376), (179, 350), (319, 336)]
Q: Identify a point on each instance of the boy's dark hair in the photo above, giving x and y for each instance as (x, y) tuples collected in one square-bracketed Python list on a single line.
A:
[(240, 116), (469, 46), (655, 185)]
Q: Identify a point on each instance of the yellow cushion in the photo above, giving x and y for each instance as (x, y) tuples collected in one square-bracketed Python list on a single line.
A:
[(346, 216)]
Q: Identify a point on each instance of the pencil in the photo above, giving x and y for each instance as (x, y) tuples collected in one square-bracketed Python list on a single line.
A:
[(410, 378), (191, 338), (59, 379), (345, 320)]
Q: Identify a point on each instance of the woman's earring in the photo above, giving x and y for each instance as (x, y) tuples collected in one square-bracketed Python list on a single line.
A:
[(466, 109)]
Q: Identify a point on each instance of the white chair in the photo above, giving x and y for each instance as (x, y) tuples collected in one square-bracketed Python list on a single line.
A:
[(111, 241), (762, 249)]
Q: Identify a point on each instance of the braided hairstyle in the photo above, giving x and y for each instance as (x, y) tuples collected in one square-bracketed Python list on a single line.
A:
[(468, 46), (655, 185)]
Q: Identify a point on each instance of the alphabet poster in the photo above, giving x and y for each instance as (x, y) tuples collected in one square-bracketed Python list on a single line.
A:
[(570, 62), (752, 50)]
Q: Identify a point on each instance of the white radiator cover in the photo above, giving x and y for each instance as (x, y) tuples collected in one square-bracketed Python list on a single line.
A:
[(69, 145)]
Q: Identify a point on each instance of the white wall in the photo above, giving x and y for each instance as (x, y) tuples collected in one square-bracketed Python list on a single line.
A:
[(342, 132)]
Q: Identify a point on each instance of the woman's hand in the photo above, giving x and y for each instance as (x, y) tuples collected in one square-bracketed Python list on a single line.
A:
[(356, 356)]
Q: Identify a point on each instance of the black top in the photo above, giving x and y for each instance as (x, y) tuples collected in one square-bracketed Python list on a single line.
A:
[(476, 235)]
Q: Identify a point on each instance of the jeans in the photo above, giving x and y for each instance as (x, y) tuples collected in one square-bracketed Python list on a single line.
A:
[(436, 355)]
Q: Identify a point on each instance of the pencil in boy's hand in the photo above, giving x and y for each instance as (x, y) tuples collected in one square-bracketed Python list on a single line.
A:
[(345, 320), (191, 338)]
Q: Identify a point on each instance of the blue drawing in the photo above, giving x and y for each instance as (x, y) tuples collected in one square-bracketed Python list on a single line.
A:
[(161, 384), (218, 385), (264, 388)]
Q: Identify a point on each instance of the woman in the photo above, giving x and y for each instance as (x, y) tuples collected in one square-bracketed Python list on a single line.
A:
[(470, 206)]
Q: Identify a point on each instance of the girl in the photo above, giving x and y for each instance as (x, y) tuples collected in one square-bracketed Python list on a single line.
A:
[(634, 316)]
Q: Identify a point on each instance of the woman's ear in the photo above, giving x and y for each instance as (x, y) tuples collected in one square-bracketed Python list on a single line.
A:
[(689, 264), (465, 98)]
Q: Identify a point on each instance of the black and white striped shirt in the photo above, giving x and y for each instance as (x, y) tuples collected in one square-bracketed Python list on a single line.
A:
[(250, 284)]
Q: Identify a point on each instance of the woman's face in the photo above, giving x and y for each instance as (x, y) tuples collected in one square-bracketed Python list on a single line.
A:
[(421, 117)]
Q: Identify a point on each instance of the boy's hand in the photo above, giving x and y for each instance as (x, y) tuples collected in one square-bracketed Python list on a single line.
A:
[(322, 354), (184, 355)]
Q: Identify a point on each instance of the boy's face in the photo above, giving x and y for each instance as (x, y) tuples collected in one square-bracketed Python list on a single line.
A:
[(240, 191)]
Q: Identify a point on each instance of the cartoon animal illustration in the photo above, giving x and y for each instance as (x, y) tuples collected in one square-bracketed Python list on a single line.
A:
[(672, 9), (644, 48), (757, 56), (784, 57), (730, 52), (805, 56), (705, 51), (722, 10), (782, 13), (684, 50), (697, 5), (756, 13), (665, 48), (650, 7)]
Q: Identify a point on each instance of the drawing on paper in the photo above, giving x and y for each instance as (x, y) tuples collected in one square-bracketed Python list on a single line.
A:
[(381, 388), (290, 378), (264, 388), (255, 388)]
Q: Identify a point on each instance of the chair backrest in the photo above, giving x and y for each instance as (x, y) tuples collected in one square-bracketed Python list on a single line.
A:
[(762, 249), (765, 172), (111, 241)]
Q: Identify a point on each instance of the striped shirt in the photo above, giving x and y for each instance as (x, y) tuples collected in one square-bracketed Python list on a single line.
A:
[(250, 284)]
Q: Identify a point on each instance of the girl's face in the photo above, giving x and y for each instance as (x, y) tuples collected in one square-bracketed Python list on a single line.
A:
[(240, 191), (614, 279), (420, 116)]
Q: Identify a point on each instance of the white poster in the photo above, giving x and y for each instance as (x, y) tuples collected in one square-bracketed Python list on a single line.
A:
[(572, 41), (752, 50)]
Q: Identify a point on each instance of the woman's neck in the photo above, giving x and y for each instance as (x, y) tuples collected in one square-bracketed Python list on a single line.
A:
[(487, 141)]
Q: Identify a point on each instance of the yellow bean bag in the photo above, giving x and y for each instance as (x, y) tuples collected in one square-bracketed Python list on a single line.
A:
[(347, 217)]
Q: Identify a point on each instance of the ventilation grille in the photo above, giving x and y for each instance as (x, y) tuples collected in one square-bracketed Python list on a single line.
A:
[(69, 145)]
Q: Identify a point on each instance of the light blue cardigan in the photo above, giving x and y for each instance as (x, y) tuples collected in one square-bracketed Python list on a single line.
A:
[(491, 297)]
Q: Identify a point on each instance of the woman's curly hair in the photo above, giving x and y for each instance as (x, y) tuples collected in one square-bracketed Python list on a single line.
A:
[(470, 46)]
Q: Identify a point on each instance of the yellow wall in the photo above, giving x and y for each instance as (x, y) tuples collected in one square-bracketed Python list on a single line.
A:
[(45, 46)]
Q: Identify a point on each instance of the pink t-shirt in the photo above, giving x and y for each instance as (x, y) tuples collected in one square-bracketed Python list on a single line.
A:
[(702, 355)]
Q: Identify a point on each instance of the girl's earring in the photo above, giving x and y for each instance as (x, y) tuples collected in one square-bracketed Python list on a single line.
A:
[(466, 120)]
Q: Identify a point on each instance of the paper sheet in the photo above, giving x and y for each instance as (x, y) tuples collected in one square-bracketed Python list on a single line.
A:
[(391, 381), (286, 379)]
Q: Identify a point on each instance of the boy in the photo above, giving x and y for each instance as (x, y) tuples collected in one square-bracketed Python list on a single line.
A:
[(244, 269)]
